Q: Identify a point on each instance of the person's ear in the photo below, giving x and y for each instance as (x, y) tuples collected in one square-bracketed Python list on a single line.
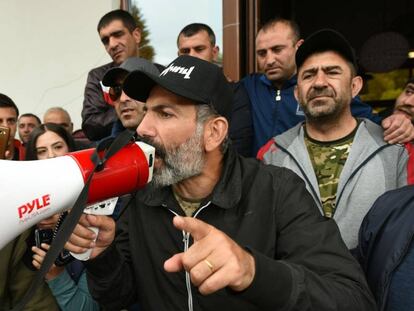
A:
[(298, 44), (215, 131), (216, 51), (356, 85), (295, 92), (136, 33)]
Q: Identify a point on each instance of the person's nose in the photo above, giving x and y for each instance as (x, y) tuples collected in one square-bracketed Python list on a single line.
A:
[(50, 154), (124, 97), (270, 59), (320, 80), (409, 100), (192, 53), (113, 43), (146, 128)]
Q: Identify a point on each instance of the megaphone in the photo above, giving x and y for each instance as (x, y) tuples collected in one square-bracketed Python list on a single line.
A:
[(35, 190)]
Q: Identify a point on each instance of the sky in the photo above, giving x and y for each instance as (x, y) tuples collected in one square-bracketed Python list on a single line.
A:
[(165, 19)]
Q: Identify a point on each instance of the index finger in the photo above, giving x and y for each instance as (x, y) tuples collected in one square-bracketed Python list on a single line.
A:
[(197, 228)]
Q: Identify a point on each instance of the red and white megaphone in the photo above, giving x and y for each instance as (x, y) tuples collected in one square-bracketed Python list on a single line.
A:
[(34, 190)]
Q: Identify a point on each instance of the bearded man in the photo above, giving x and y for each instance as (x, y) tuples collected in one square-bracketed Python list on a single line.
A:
[(344, 160), (214, 230)]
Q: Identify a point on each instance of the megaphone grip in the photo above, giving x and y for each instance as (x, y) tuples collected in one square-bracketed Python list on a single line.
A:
[(86, 255)]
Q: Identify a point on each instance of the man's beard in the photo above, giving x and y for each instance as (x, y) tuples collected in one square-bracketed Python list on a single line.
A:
[(182, 162), (330, 111)]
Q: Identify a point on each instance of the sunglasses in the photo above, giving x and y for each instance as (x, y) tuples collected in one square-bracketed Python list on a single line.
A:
[(115, 92)]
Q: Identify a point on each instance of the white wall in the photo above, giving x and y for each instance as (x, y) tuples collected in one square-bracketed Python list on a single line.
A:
[(47, 48)]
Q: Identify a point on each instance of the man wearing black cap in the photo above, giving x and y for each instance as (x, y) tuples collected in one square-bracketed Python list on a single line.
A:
[(274, 107), (129, 111), (339, 156), (214, 230)]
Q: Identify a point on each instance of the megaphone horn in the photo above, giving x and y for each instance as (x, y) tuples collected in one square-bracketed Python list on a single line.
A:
[(35, 190)]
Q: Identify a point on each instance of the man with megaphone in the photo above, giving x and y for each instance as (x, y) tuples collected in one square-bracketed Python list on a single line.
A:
[(213, 229)]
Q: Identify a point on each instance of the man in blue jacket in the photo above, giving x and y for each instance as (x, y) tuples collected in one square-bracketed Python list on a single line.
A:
[(274, 107)]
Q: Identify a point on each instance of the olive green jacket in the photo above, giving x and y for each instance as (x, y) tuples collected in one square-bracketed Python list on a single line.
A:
[(15, 279)]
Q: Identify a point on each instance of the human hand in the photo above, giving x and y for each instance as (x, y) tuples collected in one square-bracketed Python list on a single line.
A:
[(83, 238), (49, 223), (38, 257), (398, 128), (7, 155), (214, 261)]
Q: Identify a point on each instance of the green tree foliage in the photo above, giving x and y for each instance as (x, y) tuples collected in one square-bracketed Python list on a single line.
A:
[(146, 50)]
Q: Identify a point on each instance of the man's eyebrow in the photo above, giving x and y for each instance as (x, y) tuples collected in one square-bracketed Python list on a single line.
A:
[(114, 33), (332, 67), (309, 70), (410, 87), (159, 107)]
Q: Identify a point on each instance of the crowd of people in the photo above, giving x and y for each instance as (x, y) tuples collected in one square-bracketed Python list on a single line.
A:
[(281, 191)]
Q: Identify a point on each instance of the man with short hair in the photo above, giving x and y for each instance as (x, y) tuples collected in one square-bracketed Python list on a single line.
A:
[(26, 124), (339, 157), (120, 36), (59, 116), (9, 114), (274, 107), (129, 111), (198, 40), (405, 101), (214, 229)]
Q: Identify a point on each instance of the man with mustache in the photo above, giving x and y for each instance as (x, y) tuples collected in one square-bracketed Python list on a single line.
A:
[(120, 36), (274, 108), (405, 101), (214, 230), (344, 160)]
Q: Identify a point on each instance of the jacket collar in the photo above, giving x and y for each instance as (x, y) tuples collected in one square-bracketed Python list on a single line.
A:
[(289, 83), (226, 194)]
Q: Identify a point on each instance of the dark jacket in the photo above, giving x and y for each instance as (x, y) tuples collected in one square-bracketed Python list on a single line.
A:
[(241, 125), (276, 111), (16, 279), (385, 238), (301, 261), (97, 115)]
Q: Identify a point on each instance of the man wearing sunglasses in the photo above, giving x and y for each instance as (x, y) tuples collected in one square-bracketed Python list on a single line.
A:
[(120, 36), (129, 111)]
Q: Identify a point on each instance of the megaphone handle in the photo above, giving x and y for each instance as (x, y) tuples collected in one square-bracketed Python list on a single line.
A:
[(86, 255)]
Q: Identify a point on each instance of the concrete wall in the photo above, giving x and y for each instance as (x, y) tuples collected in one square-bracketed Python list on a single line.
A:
[(47, 48)]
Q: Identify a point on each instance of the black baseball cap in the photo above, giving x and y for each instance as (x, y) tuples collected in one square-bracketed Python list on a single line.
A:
[(325, 40), (187, 76), (130, 64)]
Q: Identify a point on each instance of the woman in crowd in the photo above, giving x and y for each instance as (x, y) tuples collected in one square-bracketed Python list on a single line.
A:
[(67, 283)]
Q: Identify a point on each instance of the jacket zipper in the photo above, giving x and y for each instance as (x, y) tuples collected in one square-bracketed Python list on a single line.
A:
[(278, 96), (186, 241)]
